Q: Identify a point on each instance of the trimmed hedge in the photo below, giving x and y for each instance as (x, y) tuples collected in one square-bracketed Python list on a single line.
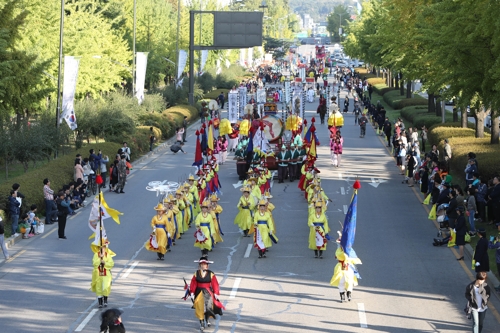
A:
[(382, 88), (376, 81), (169, 119), (59, 171), (419, 116), (397, 101), (463, 141)]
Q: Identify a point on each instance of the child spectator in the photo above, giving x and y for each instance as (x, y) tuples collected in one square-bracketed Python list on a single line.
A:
[(33, 221)]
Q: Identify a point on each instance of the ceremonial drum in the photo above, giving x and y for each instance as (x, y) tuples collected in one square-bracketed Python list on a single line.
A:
[(273, 127)]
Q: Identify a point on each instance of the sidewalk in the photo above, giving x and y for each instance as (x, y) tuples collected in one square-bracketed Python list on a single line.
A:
[(12, 240)]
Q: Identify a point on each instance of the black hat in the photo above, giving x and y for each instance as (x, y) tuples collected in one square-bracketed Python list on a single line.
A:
[(482, 232), (461, 209)]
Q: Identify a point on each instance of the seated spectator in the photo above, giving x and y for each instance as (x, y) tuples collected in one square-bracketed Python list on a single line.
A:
[(78, 169), (33, 221)]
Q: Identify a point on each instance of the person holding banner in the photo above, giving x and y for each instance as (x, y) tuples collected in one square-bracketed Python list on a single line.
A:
[(264, 229), (205, 291), (101, 275), (318, 233), (205, 229)]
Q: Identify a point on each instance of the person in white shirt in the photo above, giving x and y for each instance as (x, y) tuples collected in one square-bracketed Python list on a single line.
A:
[(125, 151), (477, 294)]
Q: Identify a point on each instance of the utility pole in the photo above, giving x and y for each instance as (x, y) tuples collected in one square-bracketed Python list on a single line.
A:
[(61, 36), (177, 42), (133, 56)]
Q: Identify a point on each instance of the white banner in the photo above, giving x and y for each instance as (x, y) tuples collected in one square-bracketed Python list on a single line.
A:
[(242, 57), (250, 57), (232, 108), (181, 63), (228, 63), (288, 96), (94, 221), (261, 96), (242, 92), (204, 57), (69, 87), (218, 67), (140, 74)]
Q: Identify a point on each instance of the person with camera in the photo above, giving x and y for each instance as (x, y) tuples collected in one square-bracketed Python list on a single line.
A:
[(362, 125)]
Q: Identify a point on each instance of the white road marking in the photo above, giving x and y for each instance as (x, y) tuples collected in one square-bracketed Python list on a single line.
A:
[(247, 252), (340, 176), (86, 321), (362, 315), (345, 209), (235, 288), (342, 191), (129, 270), (49, 233)]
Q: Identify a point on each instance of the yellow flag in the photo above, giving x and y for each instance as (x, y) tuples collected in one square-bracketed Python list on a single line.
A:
[(432, 213), (312, 149), (210, 137), (113, 213)]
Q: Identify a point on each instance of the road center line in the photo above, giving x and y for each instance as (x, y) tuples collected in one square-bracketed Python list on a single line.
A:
[(345, 209), (362, 315), (49, 233), (235, 288), (342, 190), (247, 252), (129, 270), (86, 321)]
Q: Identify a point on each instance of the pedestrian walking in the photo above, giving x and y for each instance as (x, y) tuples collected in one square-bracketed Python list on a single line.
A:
[(101, 274), (122, 174), (362, 125), (481, 258), (477, 294)]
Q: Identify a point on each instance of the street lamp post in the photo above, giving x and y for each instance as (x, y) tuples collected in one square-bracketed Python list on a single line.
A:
[(340, 27), (133, 56), (263, 5), (61, 35)]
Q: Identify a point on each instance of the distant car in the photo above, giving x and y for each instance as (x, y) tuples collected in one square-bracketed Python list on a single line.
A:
[(452, 102)]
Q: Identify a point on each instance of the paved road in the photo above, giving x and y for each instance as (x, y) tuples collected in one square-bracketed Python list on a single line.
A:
[(407, 285)]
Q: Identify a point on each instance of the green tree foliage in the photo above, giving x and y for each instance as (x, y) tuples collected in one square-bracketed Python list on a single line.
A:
[(339, 16)]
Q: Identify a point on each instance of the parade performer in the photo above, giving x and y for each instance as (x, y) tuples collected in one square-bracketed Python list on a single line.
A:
[(282, 159), (205, 229), (171, 215), (244, 218), (294, 163), (264, 180), (256, 193), (345, 275), (263, 226), (190, 201), (215, 210), (101, 275), (162, 232), (204, 290), (270, 208), (202, 185), (193, 189), (318, 233), (180, 216)]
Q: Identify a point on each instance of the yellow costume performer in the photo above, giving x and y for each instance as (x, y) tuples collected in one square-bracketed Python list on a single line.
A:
[(344, 274), (244, 218), (336, 119), (215, 210), (162, 232), (263, 226), (172, 212), (101, 274), (205, 229), (319, 230)]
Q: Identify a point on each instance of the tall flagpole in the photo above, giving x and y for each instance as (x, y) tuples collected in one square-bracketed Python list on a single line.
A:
[(133, 56), (61, 35)]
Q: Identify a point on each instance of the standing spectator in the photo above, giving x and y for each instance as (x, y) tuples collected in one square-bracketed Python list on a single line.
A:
[(184, 127), (48, 195), (481, 194), (125, 151), (113, 177), (62, 213), (152, 138), (477, 294), (104, 169), (481, 253), (494, 197), (19, 195), (470, 170), (472, 210), (221, 100), (95, 160), (423, 136), (2, 240), (122, 174), (434, 153), (78, 169), (414, 136), (14, 211), (179, 133), (461, 229), (387, 130), (494, 243), (370, 91), (447, 153)]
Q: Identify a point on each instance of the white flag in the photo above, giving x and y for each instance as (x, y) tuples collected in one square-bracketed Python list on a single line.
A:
[(242, 57), (232, 108), (69, 86), (140, 74), (250, 57), (204, 57), (181, 63), (94, 221), (219, 69)]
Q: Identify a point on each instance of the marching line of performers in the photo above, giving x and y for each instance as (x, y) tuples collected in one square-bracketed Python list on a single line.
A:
[(345, 275)]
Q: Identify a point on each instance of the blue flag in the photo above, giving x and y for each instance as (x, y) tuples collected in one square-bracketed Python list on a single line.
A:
[(250, 142), (309, 134), (349, 230)]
